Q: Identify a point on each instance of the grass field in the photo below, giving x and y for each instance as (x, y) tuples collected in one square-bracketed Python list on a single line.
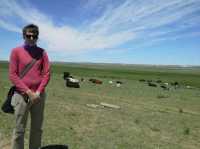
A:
[(148, 118)]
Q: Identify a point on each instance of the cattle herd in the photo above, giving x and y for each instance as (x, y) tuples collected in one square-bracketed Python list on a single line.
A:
[(161, 84), (70, 81)]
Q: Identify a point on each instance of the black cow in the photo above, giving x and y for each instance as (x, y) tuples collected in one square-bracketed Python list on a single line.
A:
[(152, 84), (164, 87), (175, 84), (142, 80), (119, 82)]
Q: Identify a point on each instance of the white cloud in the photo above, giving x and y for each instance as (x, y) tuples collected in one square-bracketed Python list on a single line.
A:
[(118, 24), (10, 27)]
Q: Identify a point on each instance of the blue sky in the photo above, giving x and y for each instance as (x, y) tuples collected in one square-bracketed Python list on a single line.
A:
[(161, 32)]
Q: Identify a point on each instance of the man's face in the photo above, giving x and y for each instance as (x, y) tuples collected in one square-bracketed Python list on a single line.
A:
[(30, 38)]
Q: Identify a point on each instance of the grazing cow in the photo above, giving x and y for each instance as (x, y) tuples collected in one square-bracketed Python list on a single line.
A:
[(71, 82), (152, 84), (119, 82), (164, 87), (110, 82), (95, 81), (189, 87), (175, 84), (98, 82), (166, 83), (92, 80), (142, 80)]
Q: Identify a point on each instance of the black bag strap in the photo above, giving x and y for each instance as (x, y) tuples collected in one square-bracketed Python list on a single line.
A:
[(27, 68)]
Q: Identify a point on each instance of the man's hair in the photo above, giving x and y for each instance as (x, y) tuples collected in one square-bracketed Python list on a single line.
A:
[(31, 28)]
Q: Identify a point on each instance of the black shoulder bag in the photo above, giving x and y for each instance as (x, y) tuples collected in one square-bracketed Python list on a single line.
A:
[(6, 106)]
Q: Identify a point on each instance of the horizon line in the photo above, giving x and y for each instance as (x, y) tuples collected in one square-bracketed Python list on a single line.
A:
[(112, 63)]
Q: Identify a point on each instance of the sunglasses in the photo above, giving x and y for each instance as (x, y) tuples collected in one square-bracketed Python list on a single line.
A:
[(33, 36)]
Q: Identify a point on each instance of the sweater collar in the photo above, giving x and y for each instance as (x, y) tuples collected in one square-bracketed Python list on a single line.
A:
[(28, 47)]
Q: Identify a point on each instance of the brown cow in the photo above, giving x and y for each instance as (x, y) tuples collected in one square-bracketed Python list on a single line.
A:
[(95, 81)]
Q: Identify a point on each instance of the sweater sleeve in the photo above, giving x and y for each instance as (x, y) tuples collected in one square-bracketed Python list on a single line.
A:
[(45, 73), (13, 72)]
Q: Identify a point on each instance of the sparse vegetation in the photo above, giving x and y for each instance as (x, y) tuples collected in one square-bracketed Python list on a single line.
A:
[(148, 118)]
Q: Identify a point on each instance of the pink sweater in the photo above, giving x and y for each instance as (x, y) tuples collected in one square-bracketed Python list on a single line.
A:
[(37, 77)]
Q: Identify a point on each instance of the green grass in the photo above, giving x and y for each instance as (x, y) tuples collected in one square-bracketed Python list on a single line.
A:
[(149, 118)]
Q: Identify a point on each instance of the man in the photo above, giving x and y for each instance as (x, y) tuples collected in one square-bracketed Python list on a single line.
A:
[(31, 87)]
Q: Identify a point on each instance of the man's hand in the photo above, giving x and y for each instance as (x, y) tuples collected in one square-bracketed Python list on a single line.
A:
[(34, 96)]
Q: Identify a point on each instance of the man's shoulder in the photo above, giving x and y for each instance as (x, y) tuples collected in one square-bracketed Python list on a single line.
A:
[(16, 49), (41, 52), (40, 49)]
